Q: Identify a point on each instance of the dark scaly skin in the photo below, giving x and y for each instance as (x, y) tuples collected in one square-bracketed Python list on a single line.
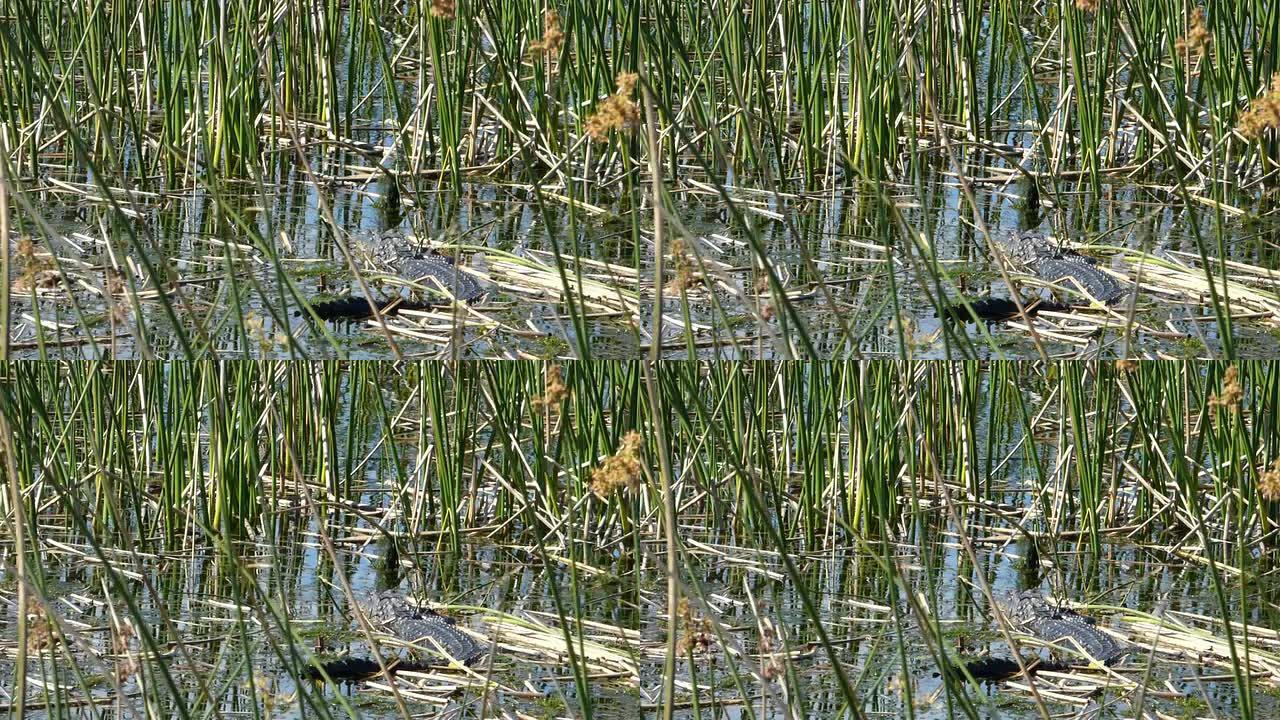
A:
[(1062, 266), (1063, 627), (396, 254), (435, 639), (426, 628), (1033, 253), (994, 669)]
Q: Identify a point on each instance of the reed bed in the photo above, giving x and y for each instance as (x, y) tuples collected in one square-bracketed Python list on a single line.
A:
[(778, 91), (132, 108), (835, 534)]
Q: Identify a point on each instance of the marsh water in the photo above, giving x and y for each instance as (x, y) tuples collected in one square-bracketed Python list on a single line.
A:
[(236, 624), (889, 661), (185, 250), (240, 657), (854, 286), (570, 604), (886, 658), (188, 181)]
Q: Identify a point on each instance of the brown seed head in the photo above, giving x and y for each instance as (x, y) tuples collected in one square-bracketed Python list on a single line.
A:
[(687, 275), (554, 390), (1263, 113), (697, 637), (616, 111), (41, 633), (1231, 394), (1269, 483), (620, 470), (444, 9), (552, 35), (1198, 38)]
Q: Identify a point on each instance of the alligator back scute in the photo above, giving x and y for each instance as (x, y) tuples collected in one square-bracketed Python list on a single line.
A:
[(1077, 274), (394, 253), (422, 627), (1061, 265), (428, 632), (435, 272), (1028, 247), (1063, 627), (1077, 635)]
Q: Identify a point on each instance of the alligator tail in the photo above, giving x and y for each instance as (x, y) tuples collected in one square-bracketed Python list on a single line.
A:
[(347, 668), (991, 309), (995, 669), (357, 308), (358, 668)]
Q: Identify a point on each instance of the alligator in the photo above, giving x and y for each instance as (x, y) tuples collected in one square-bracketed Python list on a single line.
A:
[(426, 638), (1066, 630), (433, 277), (1052, 262)]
